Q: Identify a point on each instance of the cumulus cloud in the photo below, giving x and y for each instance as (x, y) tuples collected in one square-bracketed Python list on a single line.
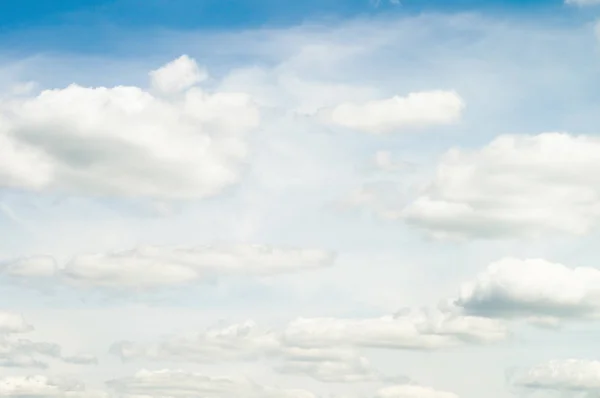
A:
[(416, 110), (180, 384), (125, 141), (163, 266), (533, 289), (177, 75), (561, 376), (518, 185)]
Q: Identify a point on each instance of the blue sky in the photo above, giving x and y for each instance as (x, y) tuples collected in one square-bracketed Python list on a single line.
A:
[(92, 25), (312, 199), (211, 13)]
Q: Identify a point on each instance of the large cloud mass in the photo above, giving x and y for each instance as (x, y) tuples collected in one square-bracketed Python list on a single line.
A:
[(125, 141)]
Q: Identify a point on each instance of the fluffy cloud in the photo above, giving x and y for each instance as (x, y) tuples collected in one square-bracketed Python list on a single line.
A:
[(124, 141), (562, 376), (414, 329), (412, 391), (416, 110), (180, 384), (518, 185), (177, 75), (161, 266), (533, 288)]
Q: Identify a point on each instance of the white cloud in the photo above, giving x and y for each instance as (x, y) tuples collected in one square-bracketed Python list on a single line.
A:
[(32, 386), (11, 322), (533, 288), (177, 75), (23, 353), (412, 391), (478, 61), (416, 110), (412, 329), (39, 386), (247, 341), (232, 342), (163, 266), (562, 376), (322, 348), (31, 267), (123, 141), (518, 185), (180, 384), (328, 365)]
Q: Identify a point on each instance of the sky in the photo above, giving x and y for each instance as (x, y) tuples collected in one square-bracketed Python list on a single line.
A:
[(319, 199)]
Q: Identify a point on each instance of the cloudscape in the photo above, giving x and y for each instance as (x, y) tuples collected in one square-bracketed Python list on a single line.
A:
[(316, 199)]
